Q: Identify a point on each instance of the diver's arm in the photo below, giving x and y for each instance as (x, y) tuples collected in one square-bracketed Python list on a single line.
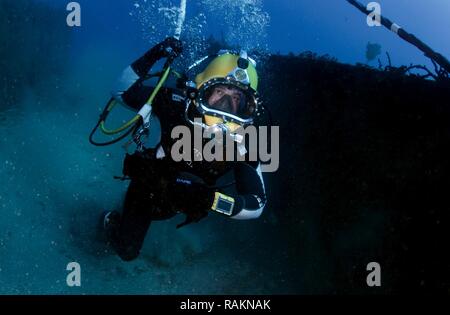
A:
[(130, 81), (196, 199), (247, 202), (251, 196), (129, 88)]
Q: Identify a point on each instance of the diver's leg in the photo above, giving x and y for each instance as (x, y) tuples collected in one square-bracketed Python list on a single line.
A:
[(127, 231), (129, 235)]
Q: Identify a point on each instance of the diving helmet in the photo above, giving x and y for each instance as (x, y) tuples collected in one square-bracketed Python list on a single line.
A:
[(226, 90)]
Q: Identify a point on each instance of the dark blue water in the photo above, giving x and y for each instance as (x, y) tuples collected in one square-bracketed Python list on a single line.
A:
[(54, 184)]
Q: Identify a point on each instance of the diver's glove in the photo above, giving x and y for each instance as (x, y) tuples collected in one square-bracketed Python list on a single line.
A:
[(171, 47), (192, 198)]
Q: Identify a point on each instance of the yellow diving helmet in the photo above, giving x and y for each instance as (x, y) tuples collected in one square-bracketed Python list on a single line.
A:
[(227, 90)]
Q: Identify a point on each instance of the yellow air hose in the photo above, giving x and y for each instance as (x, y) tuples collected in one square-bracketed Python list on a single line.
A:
[(136, 118), (132, 124)]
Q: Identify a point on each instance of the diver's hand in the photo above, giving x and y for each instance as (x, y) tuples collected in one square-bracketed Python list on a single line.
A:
[(192, 198), (171, 47)]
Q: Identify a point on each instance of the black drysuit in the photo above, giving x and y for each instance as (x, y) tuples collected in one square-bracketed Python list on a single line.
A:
[(158, 188)]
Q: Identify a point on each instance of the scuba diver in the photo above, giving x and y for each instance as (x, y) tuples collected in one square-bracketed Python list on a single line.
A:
[(224, 96)]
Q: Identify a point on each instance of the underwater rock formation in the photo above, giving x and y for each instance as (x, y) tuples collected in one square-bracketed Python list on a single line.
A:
[(363, 174)]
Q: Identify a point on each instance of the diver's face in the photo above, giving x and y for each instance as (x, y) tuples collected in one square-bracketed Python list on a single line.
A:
[(226, 98)]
